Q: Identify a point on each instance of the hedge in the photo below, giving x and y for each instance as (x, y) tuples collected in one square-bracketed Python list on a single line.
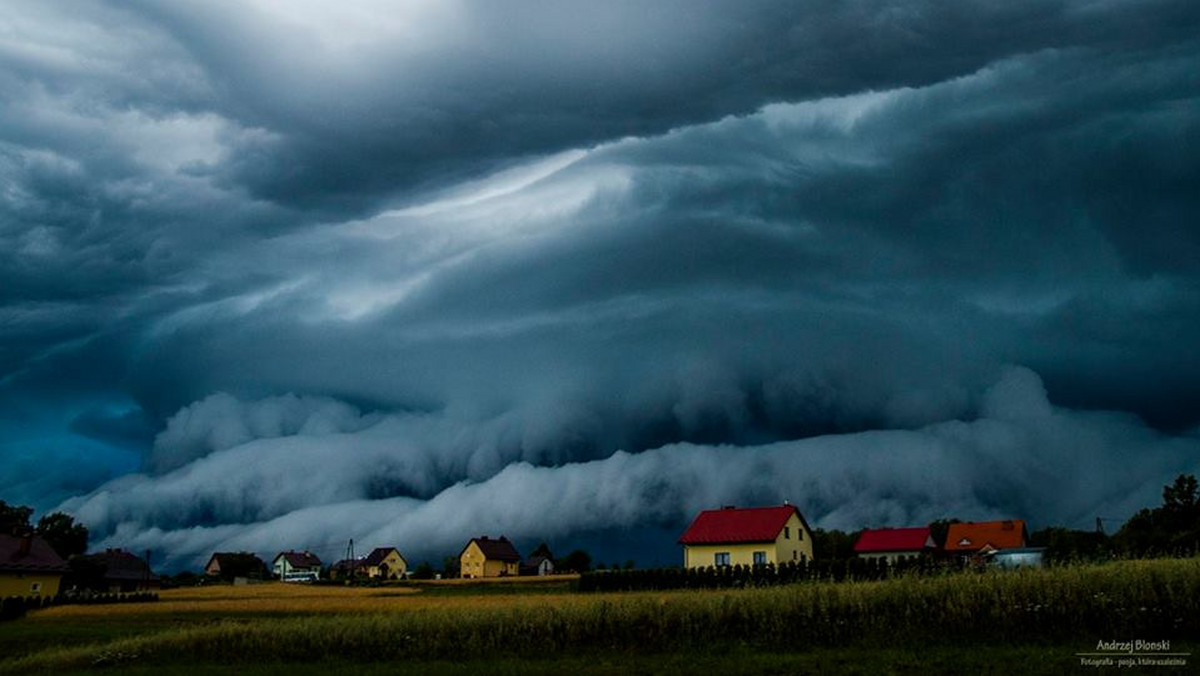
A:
[(761, 575)]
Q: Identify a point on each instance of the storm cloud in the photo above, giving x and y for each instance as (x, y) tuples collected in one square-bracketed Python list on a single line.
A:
[(271, 272)]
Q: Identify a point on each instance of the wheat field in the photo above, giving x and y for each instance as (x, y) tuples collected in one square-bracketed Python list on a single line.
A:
[(1073, 605)]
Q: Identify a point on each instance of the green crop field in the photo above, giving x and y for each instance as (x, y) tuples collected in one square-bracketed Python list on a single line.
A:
[(1023, 621)]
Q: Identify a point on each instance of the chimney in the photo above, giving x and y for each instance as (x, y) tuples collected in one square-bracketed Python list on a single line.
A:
[(25, 545), (786, 503), (728, 507)]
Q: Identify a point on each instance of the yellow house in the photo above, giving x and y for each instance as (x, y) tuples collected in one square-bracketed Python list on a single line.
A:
[(385, 563), (485, 557), (751, 535), (29, 567)]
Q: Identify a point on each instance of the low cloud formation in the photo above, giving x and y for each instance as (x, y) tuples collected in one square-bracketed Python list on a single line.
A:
[(1031, 460), (220, 421)]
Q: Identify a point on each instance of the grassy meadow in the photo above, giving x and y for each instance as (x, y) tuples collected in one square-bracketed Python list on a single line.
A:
[(1032, 620)]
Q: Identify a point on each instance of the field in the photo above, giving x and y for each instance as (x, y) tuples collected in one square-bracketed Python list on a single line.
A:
[(1023, 621)]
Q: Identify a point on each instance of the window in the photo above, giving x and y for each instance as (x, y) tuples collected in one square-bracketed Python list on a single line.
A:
[(721, 559), (794, 554), (760, 558), (787, 533), (800, 534)]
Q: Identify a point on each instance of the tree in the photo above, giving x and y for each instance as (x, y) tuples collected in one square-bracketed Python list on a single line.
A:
[(242, 564), (1064, 545), (1180, 496), (938, 530), (87, 573), (833, 545), (423, 571), (14, 517), (183, 579), (1173, 528), (62, 534), (450, 567), (577, 561)]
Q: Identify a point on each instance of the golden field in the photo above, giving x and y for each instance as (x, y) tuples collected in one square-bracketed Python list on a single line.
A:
[(1052, 612)]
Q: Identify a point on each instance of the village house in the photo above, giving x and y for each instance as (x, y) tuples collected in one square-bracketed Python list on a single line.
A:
[(29, 567), (292, 566), (383, 563), (537, 565), (747, 536), (347, 568), (893, 543), (124, 571), (486, 557), (973, 539), (386, 563), (231, 565)]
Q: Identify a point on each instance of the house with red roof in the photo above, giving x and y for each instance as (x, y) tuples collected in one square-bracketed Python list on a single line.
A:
[(893, 543), (982, 537), (733, 536)]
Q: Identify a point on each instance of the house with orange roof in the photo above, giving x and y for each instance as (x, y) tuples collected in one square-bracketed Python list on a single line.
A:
[(977, 538), (746, 536)]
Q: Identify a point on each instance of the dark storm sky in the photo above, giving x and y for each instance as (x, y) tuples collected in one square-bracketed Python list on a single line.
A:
[(275, 274)]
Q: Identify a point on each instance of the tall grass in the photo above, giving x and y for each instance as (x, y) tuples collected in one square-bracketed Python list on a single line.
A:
[(1150, 599)]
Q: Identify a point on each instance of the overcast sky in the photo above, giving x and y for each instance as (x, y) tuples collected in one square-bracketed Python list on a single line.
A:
[(277, 274)]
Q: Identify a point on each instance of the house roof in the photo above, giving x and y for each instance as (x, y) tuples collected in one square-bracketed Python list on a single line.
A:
[(535, 561), (122, 565), (378, 554), (500, 549), (299, 559), (730, 525), (41, 557), (893, 540), (347, 565), (975, 536), (226, 558)]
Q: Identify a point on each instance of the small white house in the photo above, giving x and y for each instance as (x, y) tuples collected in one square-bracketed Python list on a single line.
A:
[(293, 566), (1022, 557), (537, 565)]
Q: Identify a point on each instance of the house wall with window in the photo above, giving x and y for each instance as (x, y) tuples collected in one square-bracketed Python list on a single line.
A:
[(794, 543), (393, 566), (474, 563), (29, 584)]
